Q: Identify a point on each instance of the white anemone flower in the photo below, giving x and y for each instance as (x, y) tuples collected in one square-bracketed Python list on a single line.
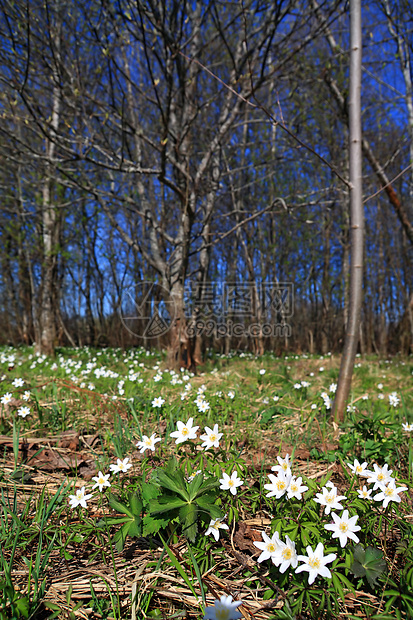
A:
[(214, 527), (344, 527), (269, 547), (101, 481), (359, 469), (230, 483), (211, 437), (287, 555), (390, 493), (381, 476), (283, 464), (158, 402), (121, 466), (147, 443), (278, 485), (224, 609), (295, 488), (329, 498), (185, 431), (23, 411), (79, 499), (315, 563), (365, 493)]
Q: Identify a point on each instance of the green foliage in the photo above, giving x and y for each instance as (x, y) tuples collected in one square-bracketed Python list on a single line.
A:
[(186, 503), (368, 563)]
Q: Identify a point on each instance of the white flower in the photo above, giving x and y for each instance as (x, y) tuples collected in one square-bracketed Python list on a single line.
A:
[(390, 493), (101, 481), (344, 527), (231, 395), (381, 476), (380, 396), (23, 411), (262, 371), (230, 483), (305, 384), (321, 369), (18, 383), (283, 464), (279, 484), (295, 489), (6, 398), (287, 555), (224, 609), (297, 386), (276, 398), (190, 478), (185, 431), (315, 563), (333, 388), (380, 386), (407, 427), (79, 499), (121, 466), (148, 443), (313, 406), (214, 527), (329, 498), (203, 406), (211, 437), (158, 402), (269, 548), (327, 400), (26, 395), (359, 469), (394, 400), (365, 493)]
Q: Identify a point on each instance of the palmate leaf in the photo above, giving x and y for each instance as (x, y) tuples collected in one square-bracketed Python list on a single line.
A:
[(368, 563), (166, 503), (173, 482), (132, 525), (208, 508), (152, 526), (188, 519), (204, 488)]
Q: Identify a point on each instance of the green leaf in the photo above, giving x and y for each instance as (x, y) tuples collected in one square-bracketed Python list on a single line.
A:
[(115, 504), (164, 504), (153, 526), (368, 563), (187, 517), (195, 485), (135, 504), (149, 492), (173, 482)]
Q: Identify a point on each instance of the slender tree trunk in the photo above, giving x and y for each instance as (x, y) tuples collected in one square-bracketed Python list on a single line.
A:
[(356, 212)]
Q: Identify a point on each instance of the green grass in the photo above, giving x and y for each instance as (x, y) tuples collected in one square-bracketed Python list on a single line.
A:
[(139, 549)]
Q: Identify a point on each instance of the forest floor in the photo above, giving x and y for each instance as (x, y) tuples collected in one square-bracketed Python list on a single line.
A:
[(93, 525)]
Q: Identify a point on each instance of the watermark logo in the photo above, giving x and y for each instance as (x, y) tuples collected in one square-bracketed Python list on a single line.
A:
[(145, 310), (219, 309)]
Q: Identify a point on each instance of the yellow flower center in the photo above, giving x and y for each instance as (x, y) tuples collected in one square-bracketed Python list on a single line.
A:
[(359, 469), (314, 562), (230, 483), (330, 497), (380, 476), (281, 485), (212, 437), (222, 614), (287, 554), (284, 466), (185, 431), (343, 527), (294, 487), (148, 442), (271, 548), (389, 492)]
